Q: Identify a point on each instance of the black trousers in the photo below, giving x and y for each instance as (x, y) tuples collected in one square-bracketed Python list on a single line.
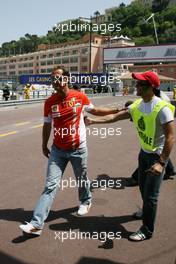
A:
[(149, 185), (169, 171)]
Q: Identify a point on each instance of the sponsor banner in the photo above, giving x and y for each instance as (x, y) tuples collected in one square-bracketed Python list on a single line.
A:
[(36, 79), (74, 78), (140, 54)]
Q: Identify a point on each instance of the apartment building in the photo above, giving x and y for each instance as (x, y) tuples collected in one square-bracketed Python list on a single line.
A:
[(74, 56)]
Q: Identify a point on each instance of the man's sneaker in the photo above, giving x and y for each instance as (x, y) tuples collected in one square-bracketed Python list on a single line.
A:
[(30, 229), (138, 236), (138, 214), (83, 209)]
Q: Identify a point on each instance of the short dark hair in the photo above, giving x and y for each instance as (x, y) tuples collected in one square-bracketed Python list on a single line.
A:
[(157, 92), (65, 72)]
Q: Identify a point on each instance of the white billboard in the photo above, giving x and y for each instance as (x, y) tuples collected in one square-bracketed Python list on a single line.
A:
[(140, 54)]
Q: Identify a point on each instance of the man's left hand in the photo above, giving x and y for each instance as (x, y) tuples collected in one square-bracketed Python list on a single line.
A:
[(157, 168)]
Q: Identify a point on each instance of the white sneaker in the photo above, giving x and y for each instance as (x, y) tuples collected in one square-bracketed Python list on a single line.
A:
[(83, 209), (30, 229), (138, 236)]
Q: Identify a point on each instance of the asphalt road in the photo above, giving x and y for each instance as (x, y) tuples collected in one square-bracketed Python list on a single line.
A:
[(23, 169)]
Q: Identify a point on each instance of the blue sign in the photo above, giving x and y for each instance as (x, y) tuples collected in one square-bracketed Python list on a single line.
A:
[(74, 78), (36, 79)]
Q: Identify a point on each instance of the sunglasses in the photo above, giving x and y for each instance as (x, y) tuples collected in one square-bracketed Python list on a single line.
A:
[(56, 78), (142, 83)]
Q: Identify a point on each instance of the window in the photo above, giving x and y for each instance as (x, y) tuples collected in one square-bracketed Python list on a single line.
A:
[(65, 60), (2, 68), (74, 52), (57, 61), (50, 62), (50, 55), (58, 54), (12, 61), (43, 63), (84, 59), (66, 53), (3, 73), (43, 70), (12, 73), (43, 56), (84, 51), (74, 59), (74, 69), (49, 70), (11, 66)]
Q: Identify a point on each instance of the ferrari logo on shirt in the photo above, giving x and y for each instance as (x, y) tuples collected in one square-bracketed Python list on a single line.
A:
[(71, 103)]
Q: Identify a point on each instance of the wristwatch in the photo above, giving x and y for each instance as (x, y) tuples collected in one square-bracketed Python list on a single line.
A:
[(162, 163)]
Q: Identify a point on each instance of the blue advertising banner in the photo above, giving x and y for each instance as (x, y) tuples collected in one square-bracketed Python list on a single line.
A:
[(36, 79), (93, 78)]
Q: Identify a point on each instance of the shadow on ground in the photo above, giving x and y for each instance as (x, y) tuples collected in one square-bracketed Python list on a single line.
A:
[(7, 259), (91, 224), (86, 260), (104, 181)]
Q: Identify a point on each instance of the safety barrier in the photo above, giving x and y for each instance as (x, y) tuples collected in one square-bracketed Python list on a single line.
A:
[(39, 100)]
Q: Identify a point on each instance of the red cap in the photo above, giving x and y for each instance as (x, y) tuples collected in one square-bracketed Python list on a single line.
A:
[(149, 76)]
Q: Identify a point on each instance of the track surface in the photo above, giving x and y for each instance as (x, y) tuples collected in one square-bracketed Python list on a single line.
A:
[(23, 170)]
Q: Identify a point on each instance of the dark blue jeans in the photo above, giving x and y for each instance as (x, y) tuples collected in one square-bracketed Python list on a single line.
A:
[(149, 185)]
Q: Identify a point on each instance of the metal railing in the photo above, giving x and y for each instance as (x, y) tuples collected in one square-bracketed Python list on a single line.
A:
[(43, 98)]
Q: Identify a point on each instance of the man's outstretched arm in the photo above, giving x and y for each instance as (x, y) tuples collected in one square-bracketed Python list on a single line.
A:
[(122, 115), (103, 111)]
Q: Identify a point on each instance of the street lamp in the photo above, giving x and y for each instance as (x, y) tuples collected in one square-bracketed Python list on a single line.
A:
[(154, 25), (90, 41)]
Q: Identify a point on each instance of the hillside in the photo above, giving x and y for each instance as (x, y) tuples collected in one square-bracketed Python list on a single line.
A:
[(130, 17)]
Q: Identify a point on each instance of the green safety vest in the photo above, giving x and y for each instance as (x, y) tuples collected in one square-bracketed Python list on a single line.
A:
[(146, 123)]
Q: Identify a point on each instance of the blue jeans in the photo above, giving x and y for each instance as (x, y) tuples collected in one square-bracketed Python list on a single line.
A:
[(57, 163), (149, 185)]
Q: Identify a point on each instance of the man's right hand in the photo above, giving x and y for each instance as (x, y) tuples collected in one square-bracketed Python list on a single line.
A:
[(88, 121), (46, 152)]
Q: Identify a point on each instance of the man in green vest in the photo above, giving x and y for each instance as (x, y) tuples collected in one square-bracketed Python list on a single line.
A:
[(154, 121)]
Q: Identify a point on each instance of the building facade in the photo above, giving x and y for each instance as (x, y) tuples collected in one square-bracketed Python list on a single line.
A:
[(74, 56)]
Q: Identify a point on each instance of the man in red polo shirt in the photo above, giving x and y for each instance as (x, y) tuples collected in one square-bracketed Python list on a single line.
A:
[(65, 109)]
